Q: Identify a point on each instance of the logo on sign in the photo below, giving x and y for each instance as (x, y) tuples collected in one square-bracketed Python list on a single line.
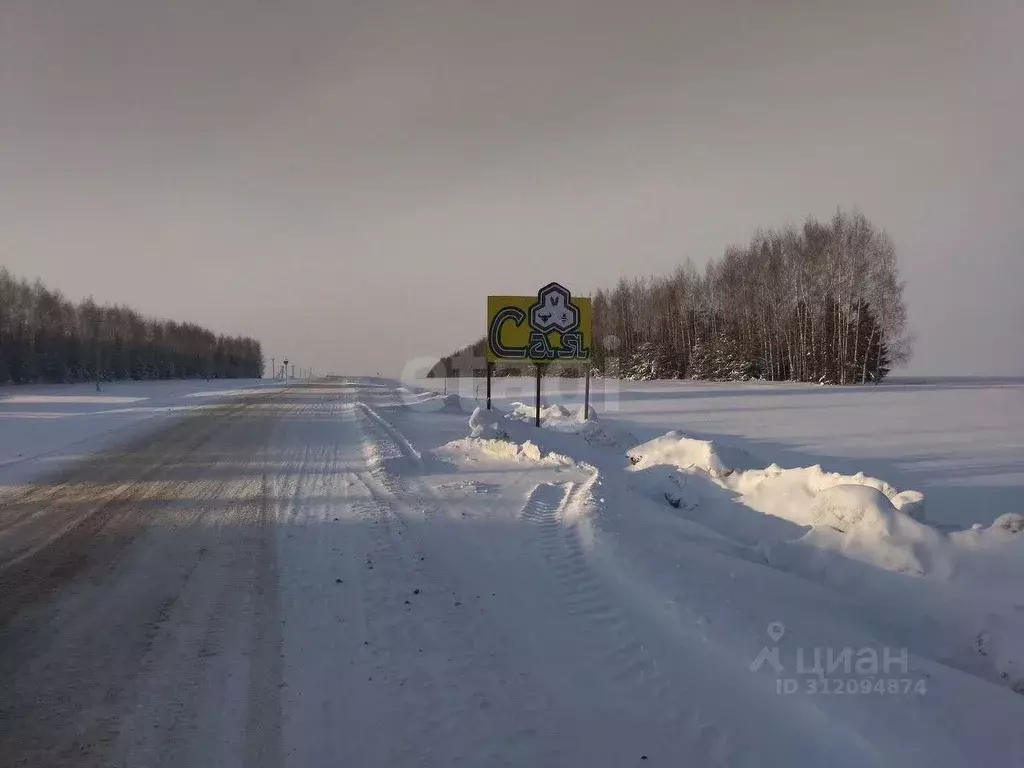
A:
[(555, 328)]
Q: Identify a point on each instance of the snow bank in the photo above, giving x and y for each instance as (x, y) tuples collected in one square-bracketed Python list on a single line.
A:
[(550, 415), (470, 449), (861, 523), (850, 507), (793, 493), (860, 517), (910, 503), (1010, 522), (989, 569), (854, 533), (564, 420), (433, 402), (452, 403), (486, 424), (822, 515), (491, 438), (673, 449), (859, 534)]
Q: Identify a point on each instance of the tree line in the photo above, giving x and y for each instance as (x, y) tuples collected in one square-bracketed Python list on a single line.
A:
[(45, 338), (818, 303)]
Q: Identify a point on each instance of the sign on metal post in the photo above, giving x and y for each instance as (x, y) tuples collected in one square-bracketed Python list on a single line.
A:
[(552, 326)]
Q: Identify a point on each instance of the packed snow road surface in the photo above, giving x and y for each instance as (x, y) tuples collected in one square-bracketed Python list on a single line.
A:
[(337, 573)]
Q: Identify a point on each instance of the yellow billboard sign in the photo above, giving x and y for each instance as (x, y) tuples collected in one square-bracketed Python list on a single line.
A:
[(552, 326)]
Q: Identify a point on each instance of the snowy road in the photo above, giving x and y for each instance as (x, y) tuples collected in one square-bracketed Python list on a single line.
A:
[(296, 579)]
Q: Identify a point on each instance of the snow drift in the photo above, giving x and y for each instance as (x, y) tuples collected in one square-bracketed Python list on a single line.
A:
[(861, 517), (491, 438), (853, 532)]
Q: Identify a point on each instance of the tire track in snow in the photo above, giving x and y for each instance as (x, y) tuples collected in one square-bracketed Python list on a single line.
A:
[(622, 652), (263, 747), (474, 712), (432, 718), (579, 589), (397, 636), (619, 653), (401, 442), (331, 710), (121, 664), (436, 706)]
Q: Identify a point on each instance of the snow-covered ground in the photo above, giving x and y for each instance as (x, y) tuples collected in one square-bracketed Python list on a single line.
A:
[(366, 573), (46, 425), (960, 441)]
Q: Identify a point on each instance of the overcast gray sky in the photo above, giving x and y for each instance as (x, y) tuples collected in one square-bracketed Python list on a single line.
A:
[(348, 180)]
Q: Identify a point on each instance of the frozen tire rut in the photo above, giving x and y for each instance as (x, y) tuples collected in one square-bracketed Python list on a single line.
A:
[(585, 597), (580, 687), (619, 652), (461, 701)]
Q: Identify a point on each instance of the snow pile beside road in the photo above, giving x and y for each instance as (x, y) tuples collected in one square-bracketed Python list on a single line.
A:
[(431, 401), (673, 449), (568, 421), (554, 418), (794, 493), (858, 516), (557, 416), (860, 522), (486, 424), (988, 564), (949, 595), (862, 535), (491, 438), (452, 404), (528, 452), (822, 519), (1010, 522)]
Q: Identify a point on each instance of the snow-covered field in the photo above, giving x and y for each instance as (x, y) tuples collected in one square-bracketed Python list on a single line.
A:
[(47, 425), (960, 441), (368, 573)]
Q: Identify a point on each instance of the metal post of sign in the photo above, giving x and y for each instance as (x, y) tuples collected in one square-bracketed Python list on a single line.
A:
[(490, 371), (586, 396), (538, 395)]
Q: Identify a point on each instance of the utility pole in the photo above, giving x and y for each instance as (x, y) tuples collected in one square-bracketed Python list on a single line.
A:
[(273, 368), (99, 360)]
